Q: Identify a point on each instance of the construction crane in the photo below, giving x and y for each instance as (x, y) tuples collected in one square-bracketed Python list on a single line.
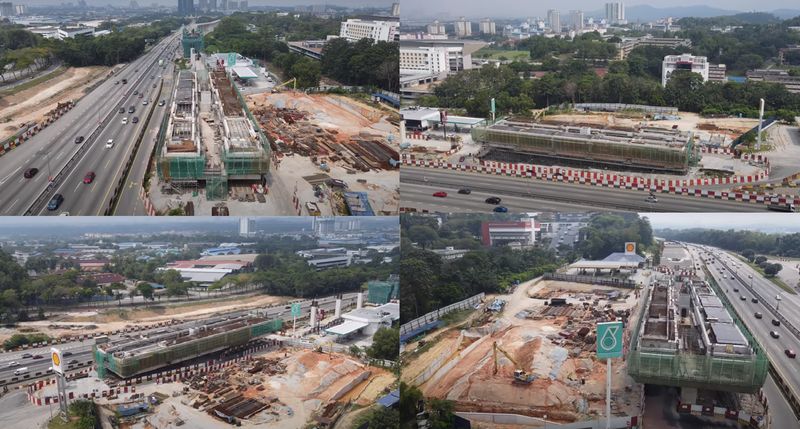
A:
[(330, 351), (292, 80), (520, 376)]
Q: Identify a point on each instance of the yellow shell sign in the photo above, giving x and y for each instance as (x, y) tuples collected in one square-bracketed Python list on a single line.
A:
[(56, 360), (629, 247)]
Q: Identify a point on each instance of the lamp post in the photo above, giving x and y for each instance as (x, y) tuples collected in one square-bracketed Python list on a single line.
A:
[(49, 173), (545, 421)]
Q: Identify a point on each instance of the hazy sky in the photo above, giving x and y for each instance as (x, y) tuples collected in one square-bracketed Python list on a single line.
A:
[(525, 9), (763, 221), (280, 3)]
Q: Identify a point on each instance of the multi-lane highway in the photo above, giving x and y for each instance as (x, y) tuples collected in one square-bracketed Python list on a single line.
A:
[(788, 368), (82, 350), (51, 149), (522, 194)]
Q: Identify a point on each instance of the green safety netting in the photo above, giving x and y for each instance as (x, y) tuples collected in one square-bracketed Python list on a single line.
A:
[(381, 292)]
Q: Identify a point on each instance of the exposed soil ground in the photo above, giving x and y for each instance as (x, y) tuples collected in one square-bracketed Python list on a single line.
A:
[(35, 103)]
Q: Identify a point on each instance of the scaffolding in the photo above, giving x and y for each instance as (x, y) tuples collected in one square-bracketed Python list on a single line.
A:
[(381, 292), (745, 374), (216, 188), (582, 147), (127, 364)]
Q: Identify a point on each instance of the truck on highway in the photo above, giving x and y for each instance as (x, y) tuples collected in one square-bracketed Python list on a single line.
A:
[(21, 371), (777, 207), (161, 63)]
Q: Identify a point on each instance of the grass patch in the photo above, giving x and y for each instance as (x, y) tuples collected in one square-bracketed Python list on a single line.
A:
[(57, 423), (456, 317), (30, 84)]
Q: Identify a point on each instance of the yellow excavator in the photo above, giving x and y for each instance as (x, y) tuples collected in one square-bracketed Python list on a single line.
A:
[(330, 350), (520, 376), (292, 80)]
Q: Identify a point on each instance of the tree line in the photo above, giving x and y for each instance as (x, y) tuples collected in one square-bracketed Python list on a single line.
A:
[(739, 241)]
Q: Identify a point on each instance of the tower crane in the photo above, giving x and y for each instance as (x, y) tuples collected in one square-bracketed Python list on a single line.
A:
[(520, 376)]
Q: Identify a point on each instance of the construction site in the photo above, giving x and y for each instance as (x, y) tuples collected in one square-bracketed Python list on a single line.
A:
[(532, 353), (585, 144)]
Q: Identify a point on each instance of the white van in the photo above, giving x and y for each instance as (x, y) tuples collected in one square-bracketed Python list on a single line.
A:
[(21, 371)]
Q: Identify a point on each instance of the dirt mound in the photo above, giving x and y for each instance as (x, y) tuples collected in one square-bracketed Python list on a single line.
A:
[(527, 352)]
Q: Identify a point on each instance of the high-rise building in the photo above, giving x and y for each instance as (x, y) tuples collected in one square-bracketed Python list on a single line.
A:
[(486, 26), (436, 28), (247, 227), (575, 20), (395, 9), (463, 28), (319, 8), (243, 5), (233, 5), (21, 9), (133, 5), (554, 19), (212, 4), (6, 9), (615, 13), (185, 7), (300, 8), (203, 5), (355, 29)]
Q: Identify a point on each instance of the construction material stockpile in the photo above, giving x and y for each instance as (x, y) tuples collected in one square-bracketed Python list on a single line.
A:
[(293, 132)]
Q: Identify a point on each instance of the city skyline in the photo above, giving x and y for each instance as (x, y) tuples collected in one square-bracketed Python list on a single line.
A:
[(473, 9), (767, 222), (259, 3)]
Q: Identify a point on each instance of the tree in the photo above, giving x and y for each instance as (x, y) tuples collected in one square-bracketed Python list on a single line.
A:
[(385, 344), (384, 418), (423, 235), (410, 396), (772, 269), (442, 413), (146, 290), (760, 260), (307, 72), (132, 294)]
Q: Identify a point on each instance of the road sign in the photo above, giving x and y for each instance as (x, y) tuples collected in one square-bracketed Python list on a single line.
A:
[(232, 59), (57, 360), (295, 309), (609, 340)]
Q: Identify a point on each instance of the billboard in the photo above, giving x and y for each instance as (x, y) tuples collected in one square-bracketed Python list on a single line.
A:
[(609, 340), (630, 248), (57, 359)]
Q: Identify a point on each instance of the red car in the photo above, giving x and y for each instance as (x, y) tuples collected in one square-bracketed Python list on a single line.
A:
[(790, 353), (88, 178), (141, 95), (461, 159), (38, 357), (440, 194)]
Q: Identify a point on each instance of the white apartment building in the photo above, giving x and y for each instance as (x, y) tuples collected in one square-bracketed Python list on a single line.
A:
[(463, 27), (575, 20), (247, 227), (615, 13), (436, 28), (486, 26), (554, 19), (355, 29), (689, 62), (431, 57)]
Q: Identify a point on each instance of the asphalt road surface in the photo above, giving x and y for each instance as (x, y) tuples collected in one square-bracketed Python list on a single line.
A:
[(50, 150), (520, 195)]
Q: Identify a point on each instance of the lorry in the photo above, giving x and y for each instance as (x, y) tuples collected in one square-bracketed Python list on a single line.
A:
[(161, 63), (21, 371), (777, 207)]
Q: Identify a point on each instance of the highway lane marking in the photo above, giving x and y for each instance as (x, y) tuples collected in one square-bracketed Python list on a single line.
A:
[(76, 188), (12, 205), (107, 162)]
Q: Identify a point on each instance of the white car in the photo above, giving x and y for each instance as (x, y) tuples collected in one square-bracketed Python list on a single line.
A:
[(110, 143), (124, 121), (651, 199), (10, 364), (778, 297)]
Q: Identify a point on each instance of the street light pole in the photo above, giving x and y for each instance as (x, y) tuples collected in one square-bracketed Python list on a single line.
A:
[(49, 173)]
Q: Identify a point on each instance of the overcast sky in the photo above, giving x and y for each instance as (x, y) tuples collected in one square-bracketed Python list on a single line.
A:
[(526, 9), (763, 221)]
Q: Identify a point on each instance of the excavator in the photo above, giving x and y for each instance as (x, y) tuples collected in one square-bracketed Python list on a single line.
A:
[(520, 376), (330, 350), (292, 80)]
